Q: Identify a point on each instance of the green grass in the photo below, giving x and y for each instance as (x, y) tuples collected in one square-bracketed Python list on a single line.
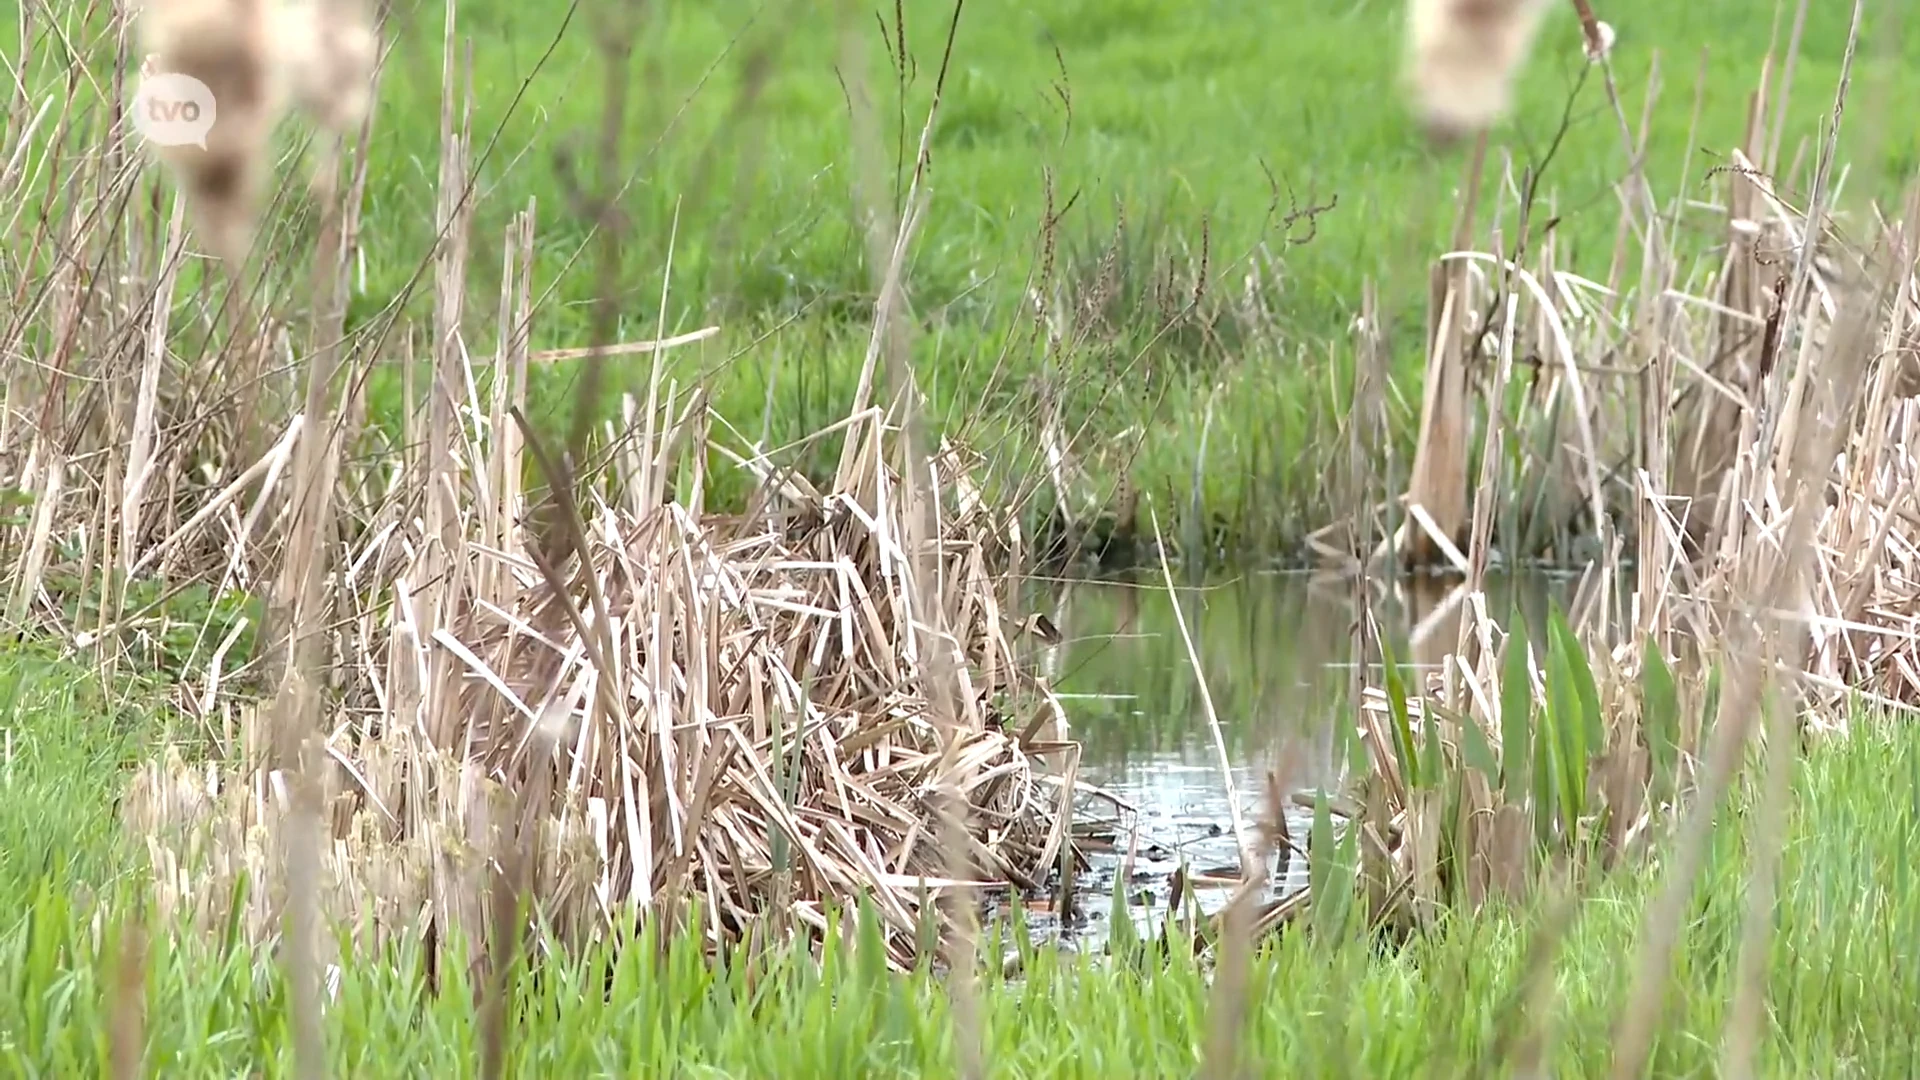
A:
[(1180, 118), (1174, 108), (1199, 124), (1844, 985)]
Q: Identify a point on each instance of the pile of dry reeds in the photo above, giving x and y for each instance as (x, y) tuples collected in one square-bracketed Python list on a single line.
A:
[(721, 708), (588, 689)]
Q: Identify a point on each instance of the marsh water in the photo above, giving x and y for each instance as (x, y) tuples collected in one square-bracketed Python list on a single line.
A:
[(1272, 649)]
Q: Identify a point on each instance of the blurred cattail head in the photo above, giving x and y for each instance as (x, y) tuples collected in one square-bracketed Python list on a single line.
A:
[(256, 57), (1462, 58), (227, 45), (329, 51)]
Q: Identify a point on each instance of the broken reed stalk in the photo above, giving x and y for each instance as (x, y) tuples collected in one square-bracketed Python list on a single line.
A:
[(1523, 1042), (447, 583), (1746, 1017), (127, 1004), (560, 535), (1437, 483), (1805, 444), (296, 719)]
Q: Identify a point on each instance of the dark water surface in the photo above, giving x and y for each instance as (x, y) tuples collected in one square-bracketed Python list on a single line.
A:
[(1273, 651)]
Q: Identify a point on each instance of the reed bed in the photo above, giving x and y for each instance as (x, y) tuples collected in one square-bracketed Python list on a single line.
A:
[(735, 707), (491, 667), (1741, 426), (592, 691)]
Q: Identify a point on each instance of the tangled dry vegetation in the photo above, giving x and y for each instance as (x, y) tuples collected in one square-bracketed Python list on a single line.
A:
[(726, 709), (1742, 426), (471, 686)]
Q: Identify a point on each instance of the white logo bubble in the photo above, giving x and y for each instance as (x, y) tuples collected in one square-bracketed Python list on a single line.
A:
[(173, 110)]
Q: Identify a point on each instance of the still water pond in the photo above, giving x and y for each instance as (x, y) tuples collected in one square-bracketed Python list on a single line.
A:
[(1273, 652)]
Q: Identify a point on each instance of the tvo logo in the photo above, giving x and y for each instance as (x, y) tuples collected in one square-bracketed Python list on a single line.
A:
[(170, 109)]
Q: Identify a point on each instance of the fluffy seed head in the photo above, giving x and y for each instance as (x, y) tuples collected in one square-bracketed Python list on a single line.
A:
[(328, 52), (225, 44), (1462, 57), (256, 57)]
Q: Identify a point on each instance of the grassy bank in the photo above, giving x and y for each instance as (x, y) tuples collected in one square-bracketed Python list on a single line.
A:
[(1841, 980), (1195, 195)]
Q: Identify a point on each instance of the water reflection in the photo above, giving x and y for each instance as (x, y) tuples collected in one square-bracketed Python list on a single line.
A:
[(1274, 651)]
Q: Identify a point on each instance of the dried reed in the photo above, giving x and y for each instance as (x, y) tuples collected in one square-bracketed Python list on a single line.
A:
[(1534, 744), (725, 722), (766, 729)]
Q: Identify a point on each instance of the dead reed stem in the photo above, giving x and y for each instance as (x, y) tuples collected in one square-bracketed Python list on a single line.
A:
[(1437, 484), (1228, 1007), (127, 1015), (299, 593), (1746, 1017)]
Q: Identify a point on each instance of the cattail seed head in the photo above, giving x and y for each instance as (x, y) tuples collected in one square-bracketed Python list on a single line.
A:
[(328, 51), (256, 57), (225, 44), (1462, 58)]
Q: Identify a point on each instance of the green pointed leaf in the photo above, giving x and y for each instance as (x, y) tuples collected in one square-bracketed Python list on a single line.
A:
[(1567, 733), (872, 943), (1455, 848), (1710, 711), (1660, 717), (1544, 807), (1397, 710), (1516, 711), (1586, 691), (1358, 761), (1319, 845), (1331, 872), (1430, 755), (1122, 935), (1477, 751)]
